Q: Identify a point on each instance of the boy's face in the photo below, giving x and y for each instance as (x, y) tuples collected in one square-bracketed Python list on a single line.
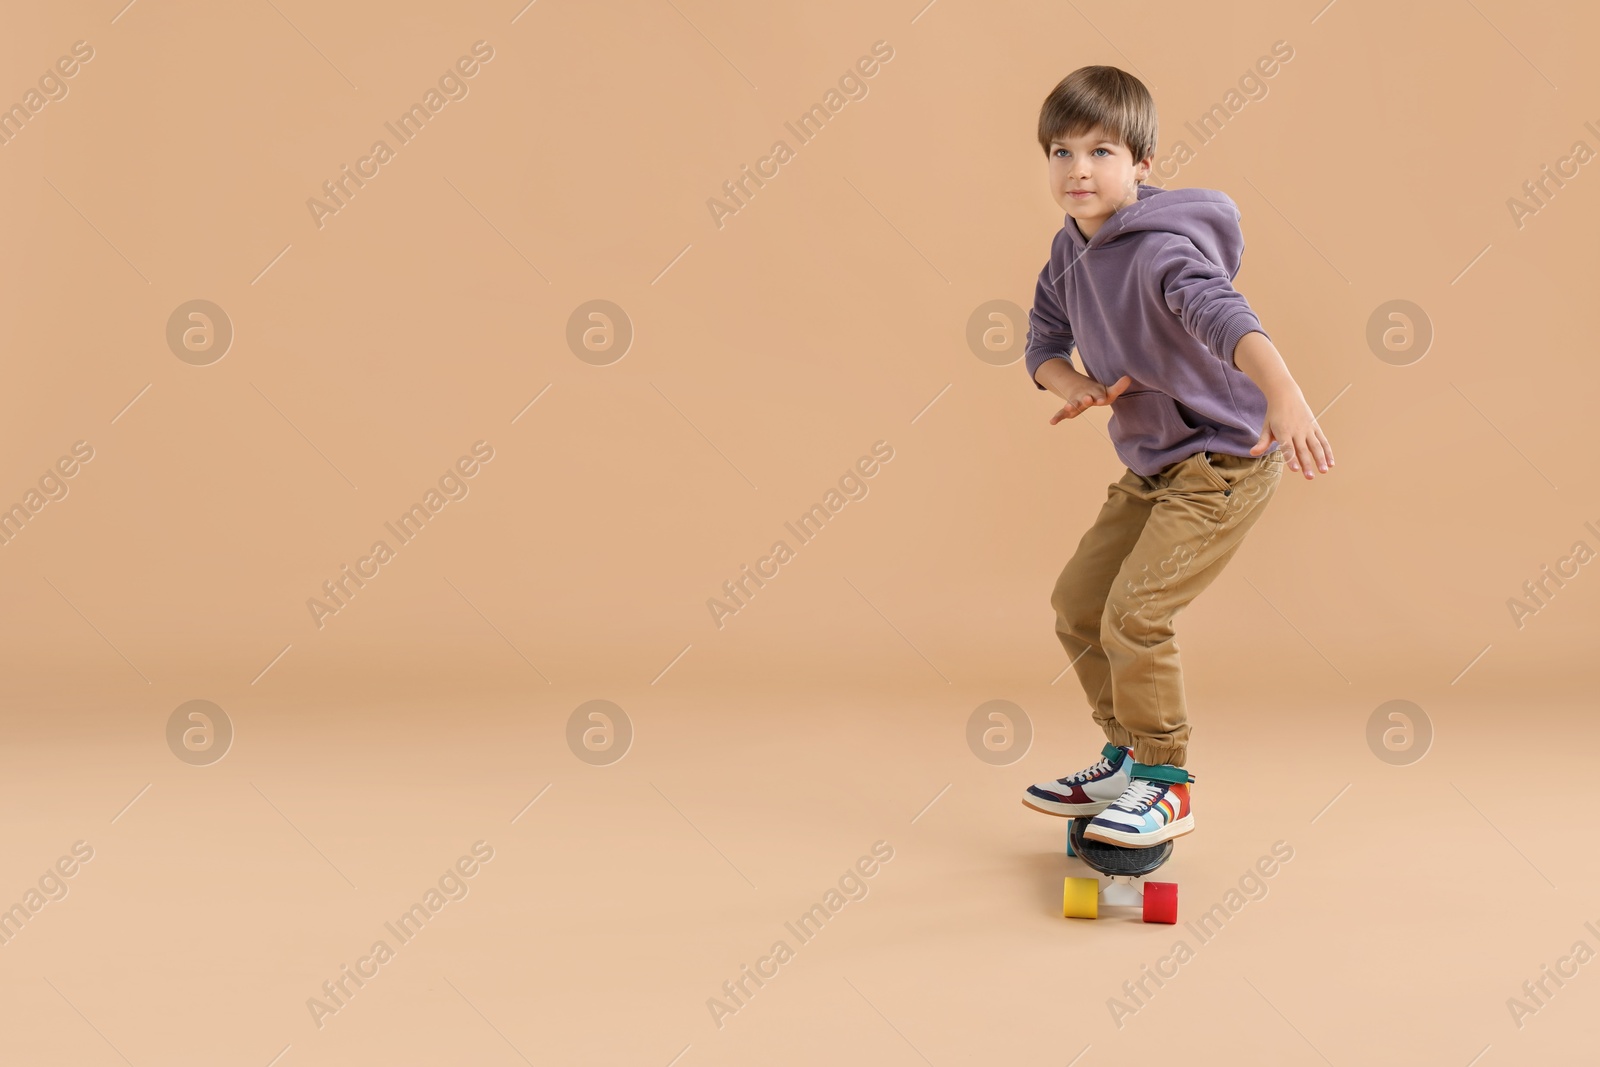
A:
[(1092, 177)]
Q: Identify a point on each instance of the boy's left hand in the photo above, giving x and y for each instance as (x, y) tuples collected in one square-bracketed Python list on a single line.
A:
[(1291, 423)]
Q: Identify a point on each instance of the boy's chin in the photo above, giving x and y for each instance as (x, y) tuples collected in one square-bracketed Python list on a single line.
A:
[(1075, 212)]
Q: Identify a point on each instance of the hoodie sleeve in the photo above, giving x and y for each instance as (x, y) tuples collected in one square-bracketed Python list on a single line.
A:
[(1201, 293), (1049, 332)]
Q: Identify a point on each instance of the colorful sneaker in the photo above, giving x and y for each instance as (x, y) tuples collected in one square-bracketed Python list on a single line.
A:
[(1090, 791), (1154, 808)]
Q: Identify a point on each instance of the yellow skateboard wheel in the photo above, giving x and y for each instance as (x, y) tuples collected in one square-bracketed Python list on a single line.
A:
[(1080, 898)]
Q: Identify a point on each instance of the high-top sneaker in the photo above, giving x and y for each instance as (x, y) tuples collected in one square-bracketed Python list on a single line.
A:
[(1155, 807), (1089, 791)]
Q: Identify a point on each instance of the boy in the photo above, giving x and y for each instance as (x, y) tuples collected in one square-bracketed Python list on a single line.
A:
[(1140, 280)]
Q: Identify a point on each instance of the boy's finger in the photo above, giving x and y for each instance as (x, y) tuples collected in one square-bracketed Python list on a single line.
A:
[(1294, 458), (1314, 446), (1307, 464)]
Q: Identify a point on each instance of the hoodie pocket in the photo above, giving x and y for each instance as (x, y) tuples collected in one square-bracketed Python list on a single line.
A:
[(1150, 419)]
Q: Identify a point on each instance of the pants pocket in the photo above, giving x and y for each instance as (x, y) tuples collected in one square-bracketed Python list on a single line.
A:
[(1216, 476)]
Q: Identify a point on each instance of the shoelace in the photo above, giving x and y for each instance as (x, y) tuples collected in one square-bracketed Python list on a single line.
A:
[(1139, 794), (1089, 772)]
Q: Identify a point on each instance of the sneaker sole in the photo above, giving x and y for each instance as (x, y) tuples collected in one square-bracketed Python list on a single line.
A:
[(1050, 807), (1128, 839)]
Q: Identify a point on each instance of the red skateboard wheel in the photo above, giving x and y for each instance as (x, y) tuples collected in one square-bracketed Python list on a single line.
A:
[(1161, 902)]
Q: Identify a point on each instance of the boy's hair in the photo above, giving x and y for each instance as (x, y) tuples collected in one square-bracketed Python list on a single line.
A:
[(1107, 97)]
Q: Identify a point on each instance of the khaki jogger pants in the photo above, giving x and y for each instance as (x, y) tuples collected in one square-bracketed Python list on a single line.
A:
[(1156, 544)]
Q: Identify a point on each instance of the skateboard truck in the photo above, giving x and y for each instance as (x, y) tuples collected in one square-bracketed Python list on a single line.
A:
[(1126, 868)]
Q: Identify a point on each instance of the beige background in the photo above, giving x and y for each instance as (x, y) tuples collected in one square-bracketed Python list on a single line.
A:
[(768, 355)]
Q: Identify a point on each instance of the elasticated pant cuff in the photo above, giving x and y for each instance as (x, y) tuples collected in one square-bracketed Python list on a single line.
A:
[(1117, 734), (1144, 752)]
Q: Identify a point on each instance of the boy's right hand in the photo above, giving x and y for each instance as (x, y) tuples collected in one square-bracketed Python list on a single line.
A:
[(1088, 393)]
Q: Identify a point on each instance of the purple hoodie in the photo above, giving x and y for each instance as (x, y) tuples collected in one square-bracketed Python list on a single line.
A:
[(1151, 296)]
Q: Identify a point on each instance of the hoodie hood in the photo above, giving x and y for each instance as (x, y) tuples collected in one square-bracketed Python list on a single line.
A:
[(1207, 217)]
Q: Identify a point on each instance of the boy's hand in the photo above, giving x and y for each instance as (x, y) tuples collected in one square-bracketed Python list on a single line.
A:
[(1089, 394), (1291, 423)]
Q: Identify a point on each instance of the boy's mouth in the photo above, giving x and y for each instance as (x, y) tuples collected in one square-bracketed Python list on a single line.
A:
[(1079, 194)]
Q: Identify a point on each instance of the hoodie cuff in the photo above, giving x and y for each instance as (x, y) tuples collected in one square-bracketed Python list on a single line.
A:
[(1033, 364), (1236, 327)]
